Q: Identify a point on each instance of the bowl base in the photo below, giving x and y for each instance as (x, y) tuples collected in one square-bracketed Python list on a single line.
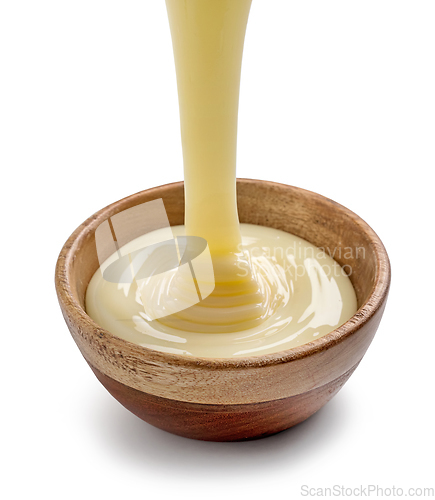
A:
[(240, 422)]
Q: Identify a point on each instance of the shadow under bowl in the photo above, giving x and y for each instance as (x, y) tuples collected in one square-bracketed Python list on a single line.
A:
[(238, 398)]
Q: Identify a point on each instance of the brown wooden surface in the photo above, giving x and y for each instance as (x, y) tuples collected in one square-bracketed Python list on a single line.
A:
[(222, 422), (235, 381)]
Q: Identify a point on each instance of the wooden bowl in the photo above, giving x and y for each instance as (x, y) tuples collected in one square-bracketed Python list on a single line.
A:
[(238, 398)]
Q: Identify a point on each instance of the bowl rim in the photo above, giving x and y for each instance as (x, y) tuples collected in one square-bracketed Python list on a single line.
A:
[(375, 300)]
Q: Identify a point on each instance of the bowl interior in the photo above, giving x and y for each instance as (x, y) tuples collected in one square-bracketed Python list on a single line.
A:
[(322, 222)]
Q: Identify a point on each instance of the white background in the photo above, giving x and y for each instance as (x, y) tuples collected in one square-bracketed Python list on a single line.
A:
[(338, 98)]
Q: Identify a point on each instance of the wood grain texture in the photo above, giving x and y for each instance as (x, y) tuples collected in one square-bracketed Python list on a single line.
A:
[(235, 381), (223, 422)]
